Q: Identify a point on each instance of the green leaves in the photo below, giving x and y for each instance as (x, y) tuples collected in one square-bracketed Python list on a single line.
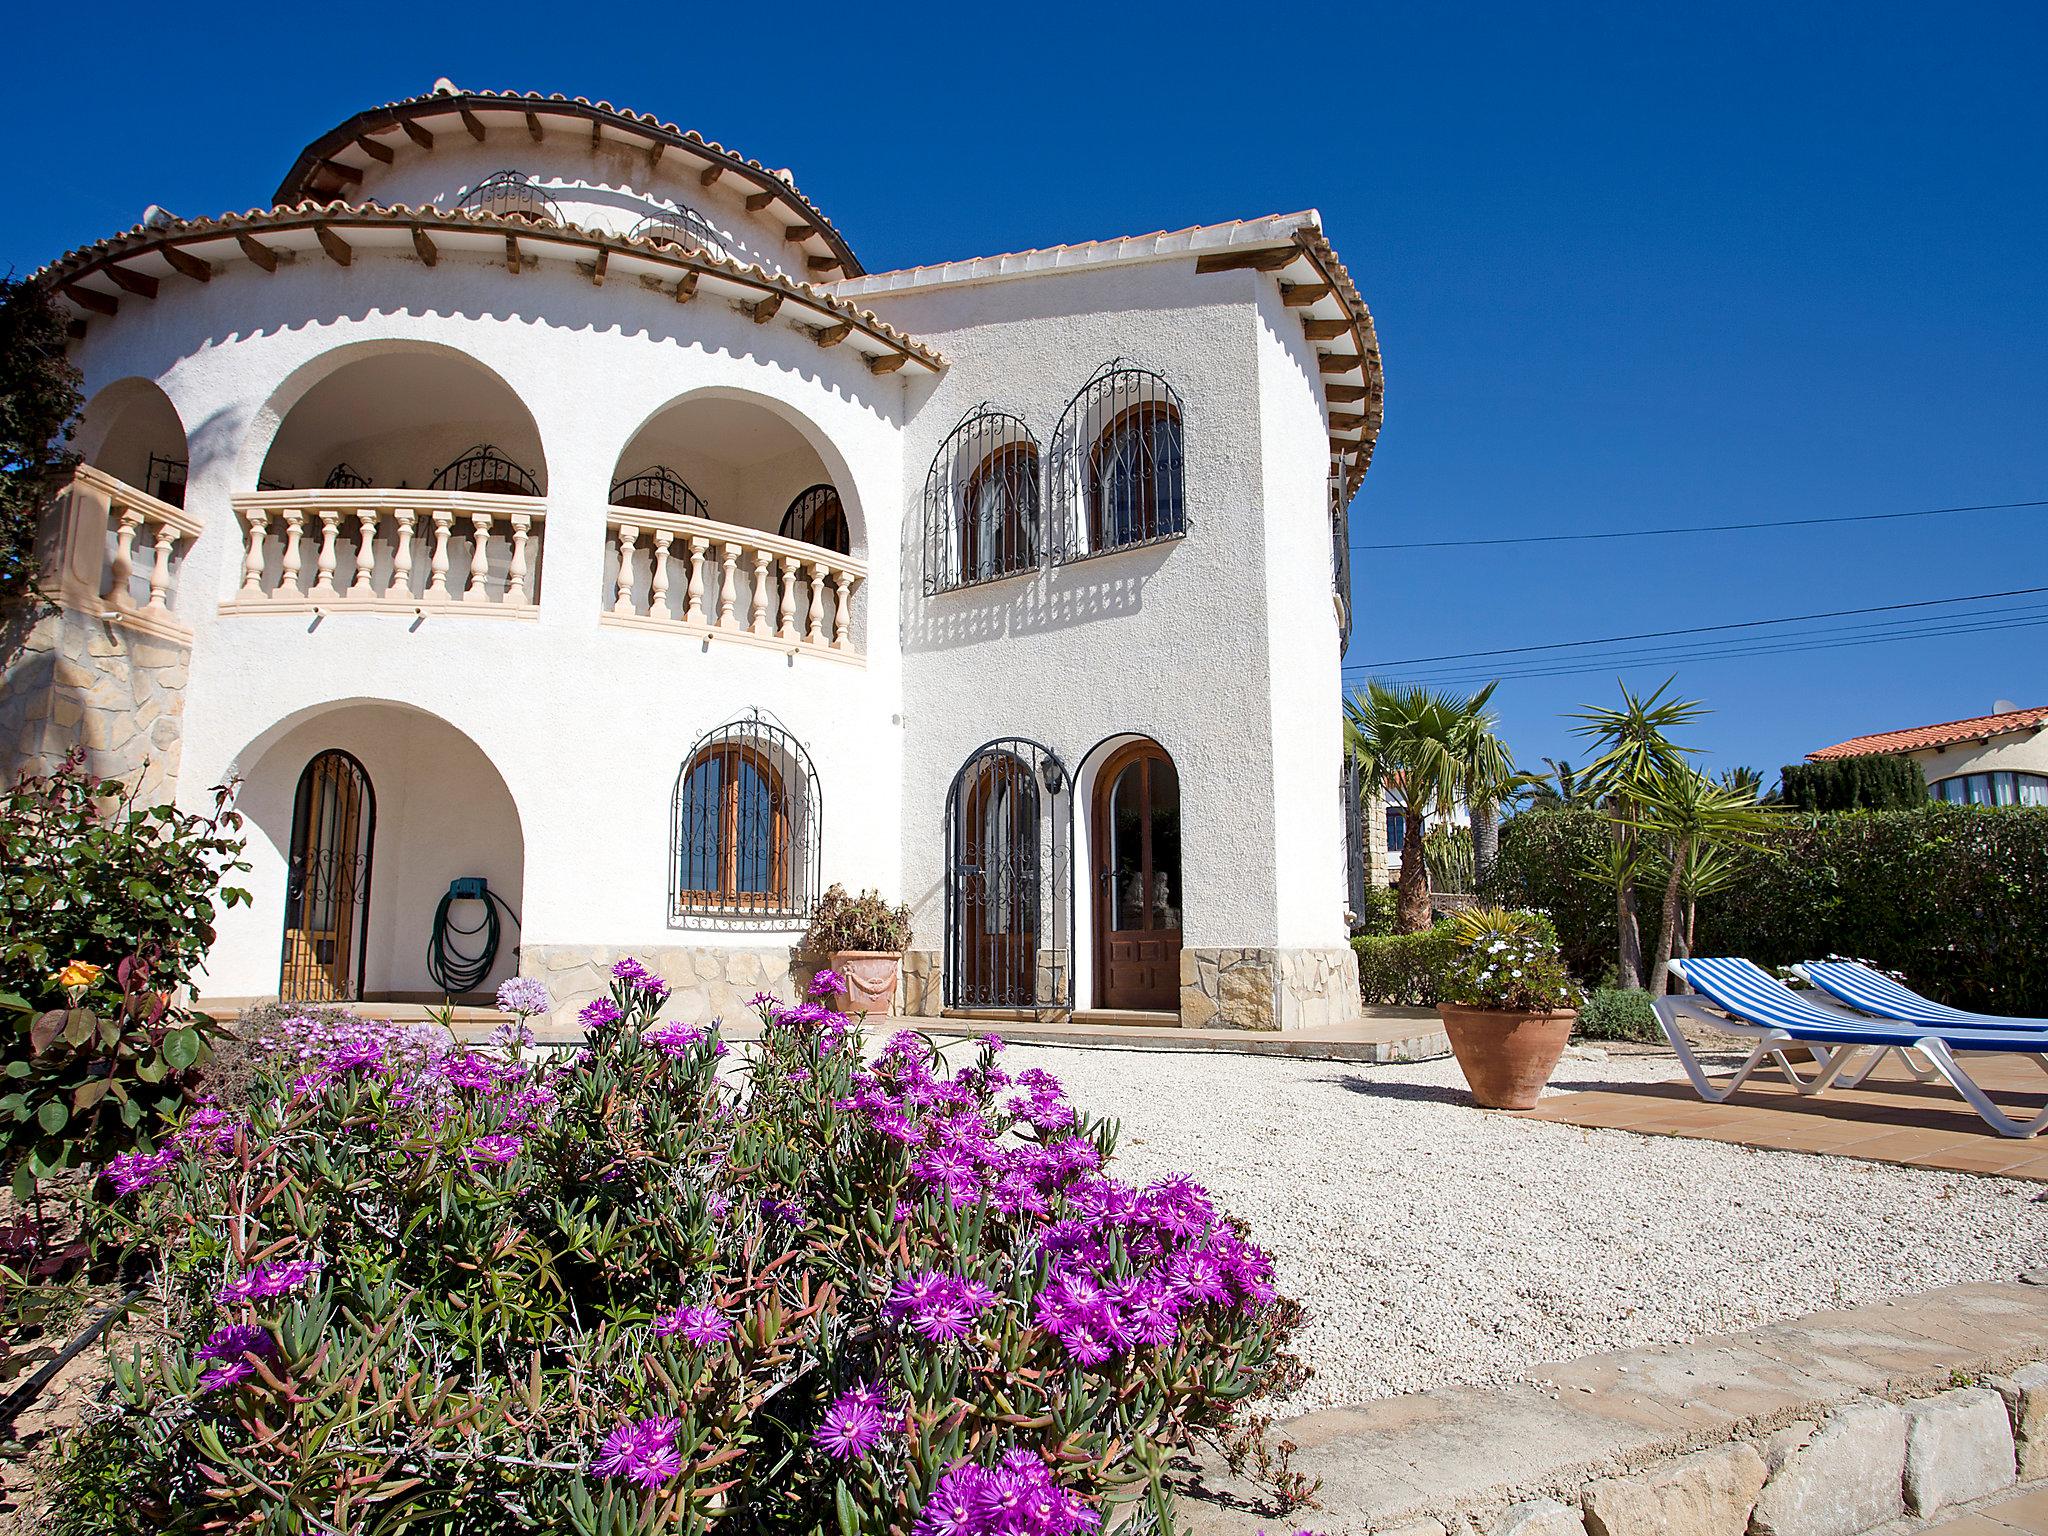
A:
[(181, 1049)]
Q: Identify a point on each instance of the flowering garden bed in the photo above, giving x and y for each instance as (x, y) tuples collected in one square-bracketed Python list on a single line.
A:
[(638, 1287)]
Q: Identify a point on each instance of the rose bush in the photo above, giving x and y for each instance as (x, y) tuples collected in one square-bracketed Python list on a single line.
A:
[(654, 1285)]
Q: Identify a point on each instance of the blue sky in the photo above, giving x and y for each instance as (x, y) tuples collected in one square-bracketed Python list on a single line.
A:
[(1630, 268)]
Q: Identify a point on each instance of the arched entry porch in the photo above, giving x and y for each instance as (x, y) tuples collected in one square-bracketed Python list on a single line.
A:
[(360, 816)]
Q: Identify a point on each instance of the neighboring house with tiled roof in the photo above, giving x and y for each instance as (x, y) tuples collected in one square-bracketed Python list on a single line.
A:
[(1994, 759), (538, 493)]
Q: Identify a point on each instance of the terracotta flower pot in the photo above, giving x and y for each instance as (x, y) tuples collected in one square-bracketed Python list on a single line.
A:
[(870, 979), (1506, 1056)]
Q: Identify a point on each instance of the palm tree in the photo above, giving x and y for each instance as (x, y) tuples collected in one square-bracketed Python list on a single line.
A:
[(1492, 783), (1556, 789), (1698, 819), (1411, 742), (1635, 757)]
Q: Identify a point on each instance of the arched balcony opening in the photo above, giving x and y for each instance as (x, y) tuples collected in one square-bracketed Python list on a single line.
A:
[(726, 521), (406, 479), (514, 195), (119, 532), (683, 227)]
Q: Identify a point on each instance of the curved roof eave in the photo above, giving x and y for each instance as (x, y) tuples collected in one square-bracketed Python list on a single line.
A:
[(339, 157)]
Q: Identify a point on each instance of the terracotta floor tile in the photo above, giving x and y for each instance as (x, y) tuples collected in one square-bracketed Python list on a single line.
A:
[(1969, 1525)]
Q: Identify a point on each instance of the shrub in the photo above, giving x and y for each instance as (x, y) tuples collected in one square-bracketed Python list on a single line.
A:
[(1503, 959), (622, 1290), (106, 910), (1612, 1014), (1948, 896), (842, 922), (1377, 915), (1403, 969), (1873, 781)]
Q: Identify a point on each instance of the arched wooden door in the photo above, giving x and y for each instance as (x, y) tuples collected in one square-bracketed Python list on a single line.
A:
[(1137, 879), (327, 891)]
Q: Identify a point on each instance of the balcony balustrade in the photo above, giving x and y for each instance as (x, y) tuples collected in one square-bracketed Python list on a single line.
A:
[(120, 551), (689, 575), (370, 550)]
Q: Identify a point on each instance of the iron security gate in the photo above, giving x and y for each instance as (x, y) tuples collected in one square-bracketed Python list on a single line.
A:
[(1009, 880), (327, 891)]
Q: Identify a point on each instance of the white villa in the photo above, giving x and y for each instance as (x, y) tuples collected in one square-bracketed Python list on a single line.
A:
[(535, 493)]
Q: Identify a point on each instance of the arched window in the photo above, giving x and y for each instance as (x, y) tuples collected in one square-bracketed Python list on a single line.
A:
[(2003, 787), (981, 502), (1009, 891), (512, 195), (483, 468), (658, 489), (817, 517), (1118, 457), (745, 825)]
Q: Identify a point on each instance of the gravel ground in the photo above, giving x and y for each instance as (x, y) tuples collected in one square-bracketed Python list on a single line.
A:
[(1433, 1243)]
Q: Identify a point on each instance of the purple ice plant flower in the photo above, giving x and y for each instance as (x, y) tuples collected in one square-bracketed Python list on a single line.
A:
[(228, 1347), (1016, 1497), (268, 1280), (701, 1326), (791, 1211), (138, 1170), (672, 1039), (937, 1305), (637, 978), (642, 1451), (495, 1149), (827, 983), (208, 1130), (600, 1014), (856, 1420), (525, 996)]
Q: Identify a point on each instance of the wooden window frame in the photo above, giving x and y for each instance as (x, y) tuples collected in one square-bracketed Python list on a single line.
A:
[(1020, 481), (728, 897), (1148, 482)]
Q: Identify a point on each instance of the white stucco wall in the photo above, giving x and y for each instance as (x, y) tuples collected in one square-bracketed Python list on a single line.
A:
[(2022, 751), (1171, 641), (587, 724)]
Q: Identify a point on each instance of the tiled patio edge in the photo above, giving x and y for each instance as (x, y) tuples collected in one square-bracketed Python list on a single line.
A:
[(1737, 1426)]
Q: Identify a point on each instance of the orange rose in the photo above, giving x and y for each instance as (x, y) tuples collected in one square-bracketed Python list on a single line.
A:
[(78, 975)]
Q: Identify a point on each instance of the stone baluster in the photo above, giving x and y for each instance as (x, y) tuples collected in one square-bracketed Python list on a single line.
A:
[(437, 569), (364, 588), (252, 561), (515, 569), (324, 579), (288, 575), (162, 541), (785, 627), (657, 580), (764, 591), (814, 632), (479, 557), (693, 592), (842, 608), (728, 582), (629, 543), (401, 553), (124, 556)]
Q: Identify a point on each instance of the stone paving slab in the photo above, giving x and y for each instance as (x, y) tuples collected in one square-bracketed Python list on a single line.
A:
[(2026, 1514), (1889, 1119), (1566, 1423)]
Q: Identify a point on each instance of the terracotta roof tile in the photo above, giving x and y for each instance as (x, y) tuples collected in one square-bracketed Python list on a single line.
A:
[(1920, 737)]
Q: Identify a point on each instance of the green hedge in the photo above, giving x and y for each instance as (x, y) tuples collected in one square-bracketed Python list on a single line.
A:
[(1611, 1014), (1950, 895), (1403, 969), (1874, 781)]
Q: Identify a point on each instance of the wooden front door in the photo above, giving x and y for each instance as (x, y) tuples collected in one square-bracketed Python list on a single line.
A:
[(1137, 880), (327, 890)]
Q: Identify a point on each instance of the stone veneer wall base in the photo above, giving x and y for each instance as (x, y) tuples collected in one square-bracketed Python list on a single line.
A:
[(75, 680), (1267, 989), (706, 981)]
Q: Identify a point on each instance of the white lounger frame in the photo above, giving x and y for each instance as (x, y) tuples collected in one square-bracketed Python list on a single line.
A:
[(1836, 1066)]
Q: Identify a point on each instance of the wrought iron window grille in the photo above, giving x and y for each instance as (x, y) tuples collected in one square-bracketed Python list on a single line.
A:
[(1351, 785), (484, 468), (981, 503), (512, 194), (1118, 465), (817, 516), (682, 226), (165, 479), (1340, 559), (346, 477), (745, 826), (1009, 880), (658, 489)]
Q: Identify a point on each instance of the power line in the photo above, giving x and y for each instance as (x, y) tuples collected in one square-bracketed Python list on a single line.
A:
[(1700, 629), (1659, 533), (1735, 645), (1579, 667)]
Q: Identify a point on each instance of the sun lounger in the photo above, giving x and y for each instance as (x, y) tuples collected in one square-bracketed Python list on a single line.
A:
[(1843, 1047), (1875, 993)]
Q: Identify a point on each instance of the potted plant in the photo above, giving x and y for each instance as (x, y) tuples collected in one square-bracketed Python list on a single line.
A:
[(1509, 1005), (862, 939)]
